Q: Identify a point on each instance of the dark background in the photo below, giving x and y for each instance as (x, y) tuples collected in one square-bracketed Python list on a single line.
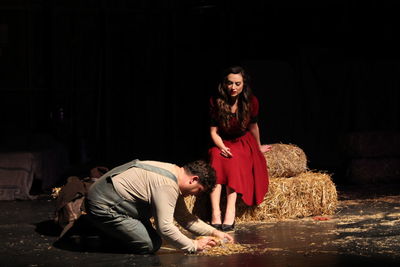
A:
[(116, 80)]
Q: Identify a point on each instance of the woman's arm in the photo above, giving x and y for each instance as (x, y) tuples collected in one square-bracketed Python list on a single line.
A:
[(255, 131), (225, 151)]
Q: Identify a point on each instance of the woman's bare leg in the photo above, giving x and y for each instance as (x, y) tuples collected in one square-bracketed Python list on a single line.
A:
[(215, 197), (230, 213)]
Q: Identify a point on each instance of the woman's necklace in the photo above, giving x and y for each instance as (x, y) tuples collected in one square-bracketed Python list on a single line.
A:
[(234, 110), (234, 106)]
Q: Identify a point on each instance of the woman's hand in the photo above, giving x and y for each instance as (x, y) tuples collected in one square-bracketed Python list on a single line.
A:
[(265, 148), (205, 243), (226, 152)]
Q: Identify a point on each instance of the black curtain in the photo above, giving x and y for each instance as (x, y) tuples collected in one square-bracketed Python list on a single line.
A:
[(117, 80)]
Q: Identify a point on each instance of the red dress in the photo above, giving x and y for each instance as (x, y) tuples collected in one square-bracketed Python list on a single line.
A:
[(246, 172)]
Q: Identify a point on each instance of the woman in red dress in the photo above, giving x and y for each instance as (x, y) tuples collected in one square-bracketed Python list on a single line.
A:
[(237, 152)]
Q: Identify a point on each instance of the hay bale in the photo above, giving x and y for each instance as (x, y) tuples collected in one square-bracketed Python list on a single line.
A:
[(307, 194), (372, 144), (374, 170), (285, 160), (191, 201)]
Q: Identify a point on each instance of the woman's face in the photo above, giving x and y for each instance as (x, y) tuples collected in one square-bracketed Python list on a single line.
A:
[(234, 84)]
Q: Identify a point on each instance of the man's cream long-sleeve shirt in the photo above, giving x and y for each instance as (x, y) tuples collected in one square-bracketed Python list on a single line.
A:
[(164, 200)]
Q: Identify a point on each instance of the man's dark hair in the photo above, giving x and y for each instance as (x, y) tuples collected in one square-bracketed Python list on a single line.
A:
[(205, 172)]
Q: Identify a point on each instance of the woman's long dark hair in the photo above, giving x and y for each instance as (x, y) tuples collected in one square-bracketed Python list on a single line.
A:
[(224, 103)]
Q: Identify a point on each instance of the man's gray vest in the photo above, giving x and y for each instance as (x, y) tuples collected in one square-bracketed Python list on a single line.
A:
[(138, 164)]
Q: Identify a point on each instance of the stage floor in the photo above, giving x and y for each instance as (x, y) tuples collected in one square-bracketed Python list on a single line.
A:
[(364, 231)]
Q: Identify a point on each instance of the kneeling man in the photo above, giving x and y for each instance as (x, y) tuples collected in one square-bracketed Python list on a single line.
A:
[(124, 199)]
